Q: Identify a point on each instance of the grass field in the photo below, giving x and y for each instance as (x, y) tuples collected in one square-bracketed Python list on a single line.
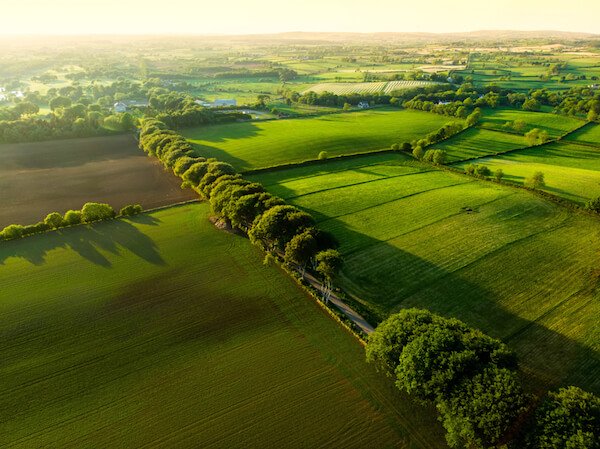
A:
[(571, 171), (588, 135), (501, 259), (476, 142), (255, 145), (54, 176), (555, 125), (162, 331)]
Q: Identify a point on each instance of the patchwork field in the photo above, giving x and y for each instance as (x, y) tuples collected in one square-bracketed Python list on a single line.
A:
[(476, 142), (163, 331), (367, 88), (263, 144), (588, 135), (555, 125), (571, 171), (501, 259), (58, 175)]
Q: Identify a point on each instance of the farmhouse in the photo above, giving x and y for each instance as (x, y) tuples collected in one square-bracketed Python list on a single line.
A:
[(119, 106), (224, 102), (594, 86), (363, 105), (123, 106)]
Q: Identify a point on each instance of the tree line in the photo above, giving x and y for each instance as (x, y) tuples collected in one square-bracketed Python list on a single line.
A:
[(473, 382), (89, 213), (270, 223)]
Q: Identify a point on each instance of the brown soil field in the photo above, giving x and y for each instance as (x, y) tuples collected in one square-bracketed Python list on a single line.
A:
[(42, 177)]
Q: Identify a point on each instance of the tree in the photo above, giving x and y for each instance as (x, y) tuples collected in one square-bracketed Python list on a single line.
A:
[(301, 249), (59, 102), (131, 209), (72, 217), (593, 204), (499, 174), (406, 146), (26, 108), (328, 263), (567, 419), (481, 409), (347, 106), (54, 220), (418, 152), (592, 115), (12, 232), (275, 228), (439, 157), (322, 155), (536, 136), (531, 104), (96, 211), (473, 118), (395, 147), (536, 181)]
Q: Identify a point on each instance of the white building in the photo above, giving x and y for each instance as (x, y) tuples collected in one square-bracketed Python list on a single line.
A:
[(119, 106), (363, 105)]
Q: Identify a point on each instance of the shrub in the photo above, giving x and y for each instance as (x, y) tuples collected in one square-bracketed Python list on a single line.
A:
[(73, 217), (395, 146), (12, 232), (96, 211), (323, 155), (418, 152), (499, 174), (536, 181), (406, 146), (593, 204), (568, 418), (131, 209), (54, 220)]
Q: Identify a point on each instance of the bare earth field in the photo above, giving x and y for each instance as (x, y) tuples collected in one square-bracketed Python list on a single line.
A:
[(42, 177)]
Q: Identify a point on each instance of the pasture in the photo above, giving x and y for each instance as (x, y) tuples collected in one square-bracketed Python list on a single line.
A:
[(252, 145), (571, 171), (587, 135), (163, 331), (55, 176), (477, 142), (380, 87), (556, 125), (501, 259)]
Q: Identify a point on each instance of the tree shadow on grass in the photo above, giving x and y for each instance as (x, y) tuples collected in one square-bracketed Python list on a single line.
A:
[(144, 219), (89, 242), (385, 278)]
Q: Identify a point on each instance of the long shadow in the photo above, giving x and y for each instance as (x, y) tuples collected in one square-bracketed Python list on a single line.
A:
[(88, 241), (67, 153), (223, 132), (384, 278)]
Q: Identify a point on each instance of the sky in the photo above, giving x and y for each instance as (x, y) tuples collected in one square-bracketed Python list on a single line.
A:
[(272, 16)]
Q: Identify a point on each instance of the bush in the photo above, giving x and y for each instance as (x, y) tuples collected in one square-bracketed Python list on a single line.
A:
[(593, 205), (499, 174), (395, 146), (91, 212), (536, 181), (131, 209), (322, 155), (418, 152), (567, 419), (54, 220), (12, 232), (72, 217), (406, 146)]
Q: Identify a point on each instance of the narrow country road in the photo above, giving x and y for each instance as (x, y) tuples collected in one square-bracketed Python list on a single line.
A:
[(358, 319)]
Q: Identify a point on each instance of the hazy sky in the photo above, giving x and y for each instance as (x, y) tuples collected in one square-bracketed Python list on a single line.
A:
[(267, 16)]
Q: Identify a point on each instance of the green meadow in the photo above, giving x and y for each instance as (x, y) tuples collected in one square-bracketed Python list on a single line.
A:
[(476, 142), (163, 331), (571, 171), (268, 143), (503, 260), (556, 125)]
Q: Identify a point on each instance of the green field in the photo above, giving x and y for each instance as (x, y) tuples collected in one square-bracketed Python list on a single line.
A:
[(588, 135), (555, 125), (501, 259), (475, 142), (163, 331), (263, 144), (367, 88), (571, 171)]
